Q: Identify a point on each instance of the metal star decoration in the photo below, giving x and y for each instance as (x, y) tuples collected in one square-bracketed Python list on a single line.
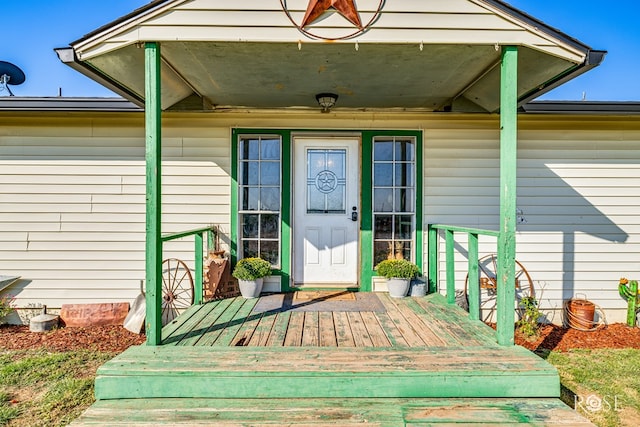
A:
[(346, 8)]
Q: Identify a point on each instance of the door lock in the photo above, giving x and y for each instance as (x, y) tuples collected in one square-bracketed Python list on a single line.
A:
[(354, 214)]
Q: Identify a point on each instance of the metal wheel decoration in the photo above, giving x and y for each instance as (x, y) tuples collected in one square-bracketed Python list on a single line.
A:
[(487, 267), (177, 289)]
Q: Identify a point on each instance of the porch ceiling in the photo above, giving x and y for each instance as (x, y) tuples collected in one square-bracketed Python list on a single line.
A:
[(280, 75)]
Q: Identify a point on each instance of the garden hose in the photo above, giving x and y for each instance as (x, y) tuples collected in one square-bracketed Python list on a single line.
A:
[(574, 321)]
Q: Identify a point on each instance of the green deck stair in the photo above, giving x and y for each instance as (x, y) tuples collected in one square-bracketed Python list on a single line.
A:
[(329, 412), (262, 372)]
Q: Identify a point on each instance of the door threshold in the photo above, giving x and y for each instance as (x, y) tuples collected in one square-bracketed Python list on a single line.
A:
[(326, 287)]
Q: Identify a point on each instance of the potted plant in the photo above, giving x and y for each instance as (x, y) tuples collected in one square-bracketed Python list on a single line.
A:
[(250, 273), (398, 273)]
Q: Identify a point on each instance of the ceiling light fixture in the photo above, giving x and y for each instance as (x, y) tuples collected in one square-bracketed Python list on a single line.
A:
[(326, 101)]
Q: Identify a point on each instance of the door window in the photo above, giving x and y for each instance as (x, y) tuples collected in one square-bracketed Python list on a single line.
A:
[(326, 181)]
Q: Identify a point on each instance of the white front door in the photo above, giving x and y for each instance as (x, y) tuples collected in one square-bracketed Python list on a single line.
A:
[(326, 204)]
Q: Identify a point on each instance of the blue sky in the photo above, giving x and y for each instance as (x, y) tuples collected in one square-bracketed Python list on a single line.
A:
[(31, 29)]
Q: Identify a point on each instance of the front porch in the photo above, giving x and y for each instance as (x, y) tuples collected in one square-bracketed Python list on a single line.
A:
[(410, 361)]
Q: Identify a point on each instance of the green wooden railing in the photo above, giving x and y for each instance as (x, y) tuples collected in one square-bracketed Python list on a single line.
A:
[(199, 236), (473, 281)]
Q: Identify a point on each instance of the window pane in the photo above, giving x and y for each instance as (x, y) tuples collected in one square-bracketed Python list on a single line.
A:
[(383, 200), (403, 227), (270, 149), (249, 173), (405, 150), (383, 151), (335, 162), (404, 200), (383, 174), (381, 251), (402, 250), (270, 199), (316, 163), (382, 228), (269, 226), (403, 175), (250, 198), (269, 173), (249, 248), (249, 149), (250, 225), (335, 200), (269, 251), (315, 202)]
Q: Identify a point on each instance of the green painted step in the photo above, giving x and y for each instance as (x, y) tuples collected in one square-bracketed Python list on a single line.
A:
[(329, 412), (318, 372)]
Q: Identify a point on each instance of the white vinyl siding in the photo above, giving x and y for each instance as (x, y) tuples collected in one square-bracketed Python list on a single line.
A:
[(72, 193), (578, 196), (72, 204)]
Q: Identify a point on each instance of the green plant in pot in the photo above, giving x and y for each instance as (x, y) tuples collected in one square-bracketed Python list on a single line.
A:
[(250, 273), (398, 273)]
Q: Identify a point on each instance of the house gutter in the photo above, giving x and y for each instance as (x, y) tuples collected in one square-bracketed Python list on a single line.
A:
[(592, 60), (68, 56)]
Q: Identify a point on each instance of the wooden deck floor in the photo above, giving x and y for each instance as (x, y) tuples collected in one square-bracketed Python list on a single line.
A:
[(232, 365), (407, 322)]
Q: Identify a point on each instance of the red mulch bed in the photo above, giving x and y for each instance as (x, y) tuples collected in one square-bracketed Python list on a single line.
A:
[(617, 335), (117, 339), (112, 339)]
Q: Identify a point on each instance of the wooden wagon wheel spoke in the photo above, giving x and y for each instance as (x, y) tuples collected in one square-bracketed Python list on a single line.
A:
[(177, 289), (488, 267)]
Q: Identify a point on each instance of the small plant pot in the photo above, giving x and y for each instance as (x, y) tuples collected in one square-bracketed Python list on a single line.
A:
[(398, 288), (250, 288)]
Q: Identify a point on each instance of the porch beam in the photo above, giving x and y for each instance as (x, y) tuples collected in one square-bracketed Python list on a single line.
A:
[(508, 158), (153, 158)]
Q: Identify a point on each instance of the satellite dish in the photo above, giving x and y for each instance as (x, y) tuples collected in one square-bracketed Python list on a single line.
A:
[(10, 75)]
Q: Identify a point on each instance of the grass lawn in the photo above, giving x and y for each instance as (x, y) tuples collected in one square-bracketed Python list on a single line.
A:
[(40, 388), (603, 385)]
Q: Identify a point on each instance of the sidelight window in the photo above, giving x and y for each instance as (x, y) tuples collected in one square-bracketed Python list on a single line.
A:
[(394, 197), (259, 197)]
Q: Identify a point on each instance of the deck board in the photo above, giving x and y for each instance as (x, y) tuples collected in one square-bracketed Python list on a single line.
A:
[(454, 315), (260, 337), (295, 330), (228, 335), (279, 331), (327, 330), (360, 334), (330, 412), (376, 333), (311, 330), (402, 324), (344, 335), (407, 322), (230, 308)]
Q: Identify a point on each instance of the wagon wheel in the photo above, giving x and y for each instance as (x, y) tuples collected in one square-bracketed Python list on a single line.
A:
[(177, 289), (487, 266)]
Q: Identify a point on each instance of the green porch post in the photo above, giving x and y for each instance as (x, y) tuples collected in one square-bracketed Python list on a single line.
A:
[(153, 156), (507, 229)]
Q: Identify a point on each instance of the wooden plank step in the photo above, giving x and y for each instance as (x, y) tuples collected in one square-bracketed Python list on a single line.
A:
[(281, 372), (329, 412)]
